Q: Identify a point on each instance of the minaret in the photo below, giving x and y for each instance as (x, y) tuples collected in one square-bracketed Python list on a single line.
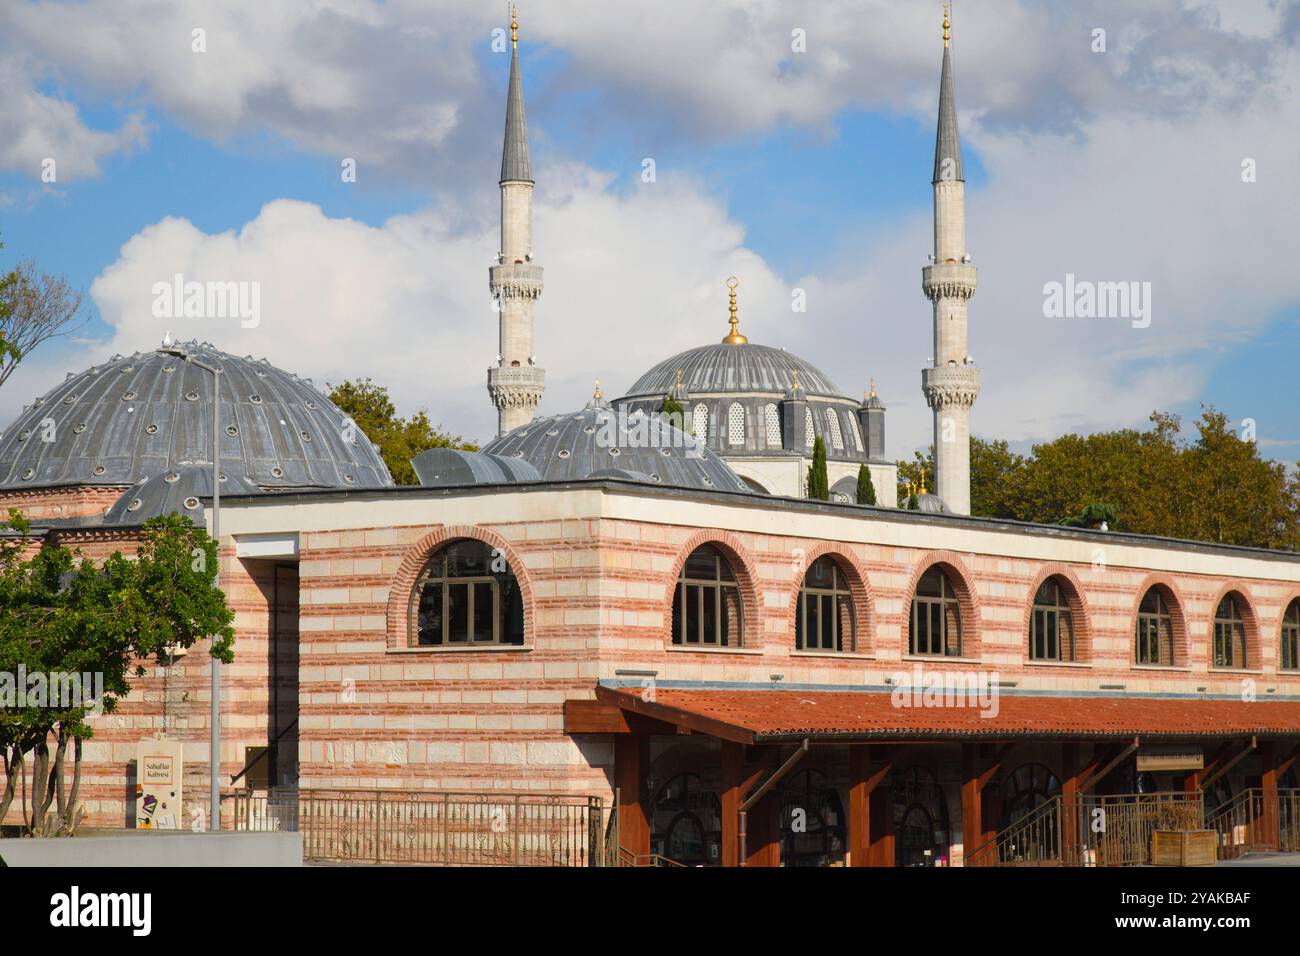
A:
[(952, 383), (515, 382)]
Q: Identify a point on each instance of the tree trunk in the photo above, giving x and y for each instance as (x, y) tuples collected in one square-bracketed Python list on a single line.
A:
[(40, 769), (73, 810), (13, 770)]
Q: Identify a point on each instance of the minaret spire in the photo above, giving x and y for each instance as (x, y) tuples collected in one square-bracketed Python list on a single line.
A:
[(952, 384), (515, 383)]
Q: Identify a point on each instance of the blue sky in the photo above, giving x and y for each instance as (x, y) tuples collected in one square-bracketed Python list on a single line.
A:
[(791, 172)]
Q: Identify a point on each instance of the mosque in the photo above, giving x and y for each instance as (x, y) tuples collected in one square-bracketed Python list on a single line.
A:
[(635, 603)]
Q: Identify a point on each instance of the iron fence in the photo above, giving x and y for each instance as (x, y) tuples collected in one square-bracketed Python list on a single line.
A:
[(449, 828)]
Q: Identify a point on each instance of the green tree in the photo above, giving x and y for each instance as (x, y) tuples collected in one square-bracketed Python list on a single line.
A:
[(866, 490), (673, 413), (818, 483), (398, 439), (60, 613), (34, 307)]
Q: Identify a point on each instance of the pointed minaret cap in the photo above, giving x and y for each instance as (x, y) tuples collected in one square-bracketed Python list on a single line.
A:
[(516, 166), (947, 145)]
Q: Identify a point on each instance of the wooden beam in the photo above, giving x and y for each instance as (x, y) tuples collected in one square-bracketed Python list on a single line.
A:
[(635, 703), (972, 805), (1225, 766), (1268, 838), (596, 717), (1119, 758)]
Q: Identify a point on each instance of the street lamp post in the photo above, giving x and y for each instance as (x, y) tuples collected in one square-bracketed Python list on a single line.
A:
[(214, 746)]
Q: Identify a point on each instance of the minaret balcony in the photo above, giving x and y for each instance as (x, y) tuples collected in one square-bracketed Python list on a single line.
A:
[(951, 386), (948, 280), (516, 279)]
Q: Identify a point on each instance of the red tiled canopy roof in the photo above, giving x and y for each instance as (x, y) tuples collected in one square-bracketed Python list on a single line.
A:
[(755, 716)]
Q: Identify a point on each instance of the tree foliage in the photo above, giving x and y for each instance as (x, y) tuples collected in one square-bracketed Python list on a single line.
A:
[(1210, 487), (818, 484), (398, 439), (34, 307), (63, 614), (866, 489)]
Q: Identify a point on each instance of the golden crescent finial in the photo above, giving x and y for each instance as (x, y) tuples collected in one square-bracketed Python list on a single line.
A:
[(597, 396), (679, 379), (873, 388), (733, 337), (794, 379), (947, 25), (514, 26)]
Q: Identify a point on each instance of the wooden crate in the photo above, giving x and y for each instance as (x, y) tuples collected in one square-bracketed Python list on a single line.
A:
[(1183, 847)]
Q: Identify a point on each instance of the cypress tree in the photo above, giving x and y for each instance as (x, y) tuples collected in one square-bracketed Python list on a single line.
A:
[(818, 484), (866, 490)]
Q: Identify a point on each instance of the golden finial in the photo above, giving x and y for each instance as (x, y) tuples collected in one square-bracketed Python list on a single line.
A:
[(794, 379), (873, 388), (514, 26), (733, 337), (597, 396), (679, 379), (947, 26), (922, 481)]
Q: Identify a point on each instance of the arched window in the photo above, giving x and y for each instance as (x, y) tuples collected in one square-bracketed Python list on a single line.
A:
[(809, 436), (1051, 626), (1289, 655), (1229, 634), (700, 422), (1026, 790), (686, 822), (736, 424), (833, 421), (772, 422), (936, 618), (812, 822), (824, 618), (467, 596), (706, 605), (1155, 630), (920, 819)]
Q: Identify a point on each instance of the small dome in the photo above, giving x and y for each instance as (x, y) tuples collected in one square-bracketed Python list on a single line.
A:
[(178, 489), (734, 368), (596, 442), (932, 504), (137, 416)]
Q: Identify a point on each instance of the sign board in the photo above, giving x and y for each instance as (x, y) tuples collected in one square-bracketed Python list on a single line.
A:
[(158, 769), (1159, 759)]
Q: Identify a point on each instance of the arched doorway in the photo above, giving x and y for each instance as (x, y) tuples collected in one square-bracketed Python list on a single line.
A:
[(1025, 790), (686, 822), (812, 822), (921, 829)]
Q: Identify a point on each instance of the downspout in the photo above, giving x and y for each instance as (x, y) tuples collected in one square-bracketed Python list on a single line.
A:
[(758, 795)]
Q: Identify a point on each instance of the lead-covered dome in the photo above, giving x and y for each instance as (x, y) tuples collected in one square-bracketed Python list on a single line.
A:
[(599, 442), (727, 367), (140, 416)]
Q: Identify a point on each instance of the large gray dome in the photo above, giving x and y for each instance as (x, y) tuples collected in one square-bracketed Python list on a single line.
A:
[(733, 368), (598, 442), (139, 416)]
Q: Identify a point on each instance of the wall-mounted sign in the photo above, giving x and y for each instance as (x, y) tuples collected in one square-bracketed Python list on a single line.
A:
[(1160, 759), (158, 784)]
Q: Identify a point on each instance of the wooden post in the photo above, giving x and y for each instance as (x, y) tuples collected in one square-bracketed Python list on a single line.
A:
[(1070, 781), (859, 807), (972, 806), (733, 758), (882, 821), (1268, 836), (631, 764)]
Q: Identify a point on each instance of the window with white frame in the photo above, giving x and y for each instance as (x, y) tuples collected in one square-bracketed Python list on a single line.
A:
[(808, 435), (773, 423), (833, 420), (700, 422), (736, 424)]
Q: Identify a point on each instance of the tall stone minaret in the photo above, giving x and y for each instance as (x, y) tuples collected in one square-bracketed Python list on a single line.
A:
[(515, 382), (952, 383)]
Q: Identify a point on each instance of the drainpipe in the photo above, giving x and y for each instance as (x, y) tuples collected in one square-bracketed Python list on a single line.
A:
[(758, 795)]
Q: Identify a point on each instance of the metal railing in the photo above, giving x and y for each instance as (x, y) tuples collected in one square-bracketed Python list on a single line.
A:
[(1091, 830), (1245, 824), (439, 827), (1033, 840), (1115, 830)]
